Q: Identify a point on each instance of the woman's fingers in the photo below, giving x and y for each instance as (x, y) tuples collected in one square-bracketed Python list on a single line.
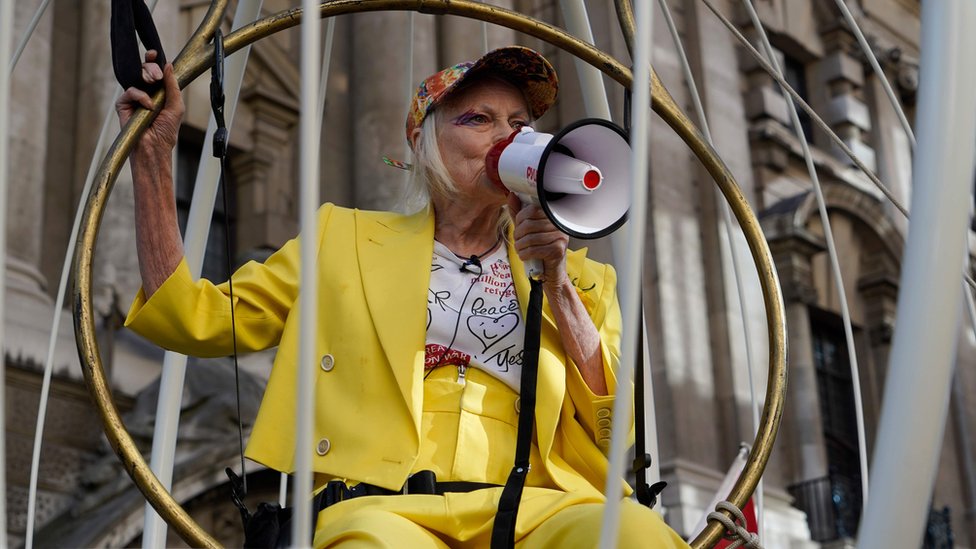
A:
[(544, 247), (127, 102), (174, 97), (136, 96), (151, 73), (164, 130), (532, 219), (150, 70), (537, 238)]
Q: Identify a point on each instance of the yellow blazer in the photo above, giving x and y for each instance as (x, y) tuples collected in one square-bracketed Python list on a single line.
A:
[(373, 276)]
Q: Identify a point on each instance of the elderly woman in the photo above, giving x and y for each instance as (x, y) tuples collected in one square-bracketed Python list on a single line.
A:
[(421, 331)]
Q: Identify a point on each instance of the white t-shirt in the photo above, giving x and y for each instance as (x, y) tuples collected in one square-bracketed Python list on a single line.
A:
[(473, 316)]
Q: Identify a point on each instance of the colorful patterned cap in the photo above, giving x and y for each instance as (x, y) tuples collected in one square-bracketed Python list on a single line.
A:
[(521, 66)]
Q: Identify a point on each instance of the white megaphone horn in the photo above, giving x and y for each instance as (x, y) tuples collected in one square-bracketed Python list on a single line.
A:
[(580, 176)]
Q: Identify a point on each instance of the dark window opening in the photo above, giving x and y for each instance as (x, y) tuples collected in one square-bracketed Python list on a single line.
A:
[(836, 396), (794, 72)]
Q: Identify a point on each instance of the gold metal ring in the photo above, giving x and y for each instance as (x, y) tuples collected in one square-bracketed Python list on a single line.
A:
[(197, 57)]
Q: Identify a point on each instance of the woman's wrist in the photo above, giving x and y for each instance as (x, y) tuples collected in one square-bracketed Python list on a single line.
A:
[(151, 154), (556, 281), (151, 164)]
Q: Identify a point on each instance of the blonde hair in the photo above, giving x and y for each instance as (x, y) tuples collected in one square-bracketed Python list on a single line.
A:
[(428, 176)]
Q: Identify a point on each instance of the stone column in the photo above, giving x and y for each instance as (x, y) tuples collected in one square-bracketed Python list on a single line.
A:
[(879, 293), (93, 91), (801, 434), (28, 311), (60, 199), (28, 145), (380, 83)]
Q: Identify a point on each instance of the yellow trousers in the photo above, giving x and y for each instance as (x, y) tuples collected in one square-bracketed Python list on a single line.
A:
[(547, 519), (455, 415)]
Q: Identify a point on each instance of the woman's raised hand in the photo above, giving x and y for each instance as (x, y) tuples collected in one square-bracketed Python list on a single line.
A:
[(158, 240), (163, 132)]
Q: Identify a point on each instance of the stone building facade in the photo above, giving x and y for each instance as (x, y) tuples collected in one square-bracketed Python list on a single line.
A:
[(63, 88)]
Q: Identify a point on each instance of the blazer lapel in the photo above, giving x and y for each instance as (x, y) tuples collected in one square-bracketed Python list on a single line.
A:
[(395, 253)]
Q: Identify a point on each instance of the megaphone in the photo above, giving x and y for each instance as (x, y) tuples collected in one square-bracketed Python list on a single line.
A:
[(580, 176)]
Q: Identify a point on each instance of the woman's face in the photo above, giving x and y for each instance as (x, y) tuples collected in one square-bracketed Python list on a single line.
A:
[(469, 123)]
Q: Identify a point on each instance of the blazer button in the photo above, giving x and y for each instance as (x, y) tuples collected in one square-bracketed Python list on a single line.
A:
[(518, 405), (603, 412), (604, 433), (603, 422), (323, 447), (327, 363)]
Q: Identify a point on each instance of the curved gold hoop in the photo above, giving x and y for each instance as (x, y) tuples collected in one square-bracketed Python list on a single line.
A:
[(197, 57)]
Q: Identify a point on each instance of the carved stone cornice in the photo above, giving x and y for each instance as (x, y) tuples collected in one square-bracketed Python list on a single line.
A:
[(792, 253)]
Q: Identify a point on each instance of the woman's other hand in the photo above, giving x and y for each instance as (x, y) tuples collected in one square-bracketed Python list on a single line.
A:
[(537, 238)]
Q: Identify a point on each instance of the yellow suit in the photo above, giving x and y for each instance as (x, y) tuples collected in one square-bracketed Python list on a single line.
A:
[(373, 276)]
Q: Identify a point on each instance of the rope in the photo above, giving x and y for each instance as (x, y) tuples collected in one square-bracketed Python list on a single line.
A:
[(735, 529)]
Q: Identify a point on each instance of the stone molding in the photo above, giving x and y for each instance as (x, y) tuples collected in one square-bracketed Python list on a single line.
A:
[(793, 245)]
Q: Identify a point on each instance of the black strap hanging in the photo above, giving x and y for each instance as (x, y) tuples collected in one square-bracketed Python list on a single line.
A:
[(217, 106), (503, 531), (130, 17), (646, 494), (220, 139)]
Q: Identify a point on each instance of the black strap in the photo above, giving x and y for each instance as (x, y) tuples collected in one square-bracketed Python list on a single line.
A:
[(220, 152), (646, 494), (237, 493), (503, 531), (128, 18)]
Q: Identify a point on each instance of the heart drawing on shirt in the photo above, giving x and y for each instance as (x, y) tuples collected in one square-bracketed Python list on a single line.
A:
[(490, 331)]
